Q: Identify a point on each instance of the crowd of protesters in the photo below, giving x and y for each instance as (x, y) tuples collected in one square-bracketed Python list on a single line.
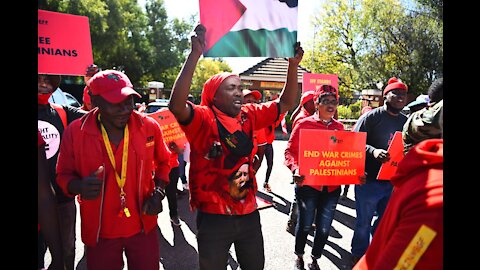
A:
[(115, 162)]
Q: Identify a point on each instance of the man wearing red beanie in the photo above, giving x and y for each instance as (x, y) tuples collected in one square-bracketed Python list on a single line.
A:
[(380, 124), (410, 235), (116, 160), (222, 181)]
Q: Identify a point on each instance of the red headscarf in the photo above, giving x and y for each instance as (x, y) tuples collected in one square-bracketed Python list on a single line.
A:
[(210, 87)]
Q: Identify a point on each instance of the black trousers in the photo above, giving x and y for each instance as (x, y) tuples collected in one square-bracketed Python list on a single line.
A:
[(171, 191), (217, 233)]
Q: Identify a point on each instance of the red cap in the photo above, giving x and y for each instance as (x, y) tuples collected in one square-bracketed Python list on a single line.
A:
[(112, 85), (257, 95), (394, 83), (306, 96), (325, 89)]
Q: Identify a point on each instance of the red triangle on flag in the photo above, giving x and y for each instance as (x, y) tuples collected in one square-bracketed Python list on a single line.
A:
[(219, 17)]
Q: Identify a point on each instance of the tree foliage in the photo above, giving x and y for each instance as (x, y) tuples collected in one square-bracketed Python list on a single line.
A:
[(142, 42), (206, 68), (369, 41)]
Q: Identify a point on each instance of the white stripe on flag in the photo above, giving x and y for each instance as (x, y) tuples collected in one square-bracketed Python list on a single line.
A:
[(268, 15)]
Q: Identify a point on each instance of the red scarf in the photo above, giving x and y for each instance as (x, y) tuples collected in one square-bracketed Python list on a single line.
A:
[(232, 124), (43, 98)]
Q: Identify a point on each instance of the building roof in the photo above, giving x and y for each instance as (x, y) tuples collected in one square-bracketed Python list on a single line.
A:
[(271, 69)]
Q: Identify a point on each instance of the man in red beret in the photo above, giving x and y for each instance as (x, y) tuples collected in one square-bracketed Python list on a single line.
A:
[(220, 132), (380, 124), (116, 160)]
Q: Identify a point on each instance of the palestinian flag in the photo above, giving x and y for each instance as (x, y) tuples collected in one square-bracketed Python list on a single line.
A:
[(249, 28)]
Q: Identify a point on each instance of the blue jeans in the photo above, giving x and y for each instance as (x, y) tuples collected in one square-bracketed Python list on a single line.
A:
[(371, 197), (309, 201)]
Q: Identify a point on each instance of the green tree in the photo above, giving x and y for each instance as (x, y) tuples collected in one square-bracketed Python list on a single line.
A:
[(369, 41), (144, 44), (206, 68)]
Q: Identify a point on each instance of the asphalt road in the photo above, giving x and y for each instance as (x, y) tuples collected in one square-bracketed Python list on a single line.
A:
[(178, 247)]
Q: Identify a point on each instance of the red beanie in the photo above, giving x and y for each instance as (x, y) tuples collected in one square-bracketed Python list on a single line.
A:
[(210, 87), (394, 83)]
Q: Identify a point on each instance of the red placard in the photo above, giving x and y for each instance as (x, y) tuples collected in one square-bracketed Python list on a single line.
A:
[(313, 81), (64, 45), (170, 128), (395, 149), (331, 157)]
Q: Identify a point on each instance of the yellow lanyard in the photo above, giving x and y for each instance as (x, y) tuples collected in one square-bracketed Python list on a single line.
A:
[(120, 180)]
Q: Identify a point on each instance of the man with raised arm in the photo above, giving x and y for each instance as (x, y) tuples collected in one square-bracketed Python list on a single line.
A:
[(222, 181)]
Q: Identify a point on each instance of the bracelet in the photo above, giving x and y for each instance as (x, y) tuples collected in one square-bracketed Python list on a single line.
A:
[(159, 190)]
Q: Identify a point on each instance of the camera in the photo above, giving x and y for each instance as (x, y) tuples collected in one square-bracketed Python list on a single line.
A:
[(215, 151)]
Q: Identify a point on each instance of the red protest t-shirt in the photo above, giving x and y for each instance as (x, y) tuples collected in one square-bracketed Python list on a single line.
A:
[(209, 184), (111, 225)]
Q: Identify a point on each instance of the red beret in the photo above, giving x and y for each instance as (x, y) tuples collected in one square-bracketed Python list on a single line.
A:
[(325, 89)]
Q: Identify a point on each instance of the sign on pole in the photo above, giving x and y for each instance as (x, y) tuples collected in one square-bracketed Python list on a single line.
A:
[(395, 149)]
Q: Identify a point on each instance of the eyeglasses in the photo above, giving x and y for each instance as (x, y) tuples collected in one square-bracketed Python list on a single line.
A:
[(240, 174), (333, 102)]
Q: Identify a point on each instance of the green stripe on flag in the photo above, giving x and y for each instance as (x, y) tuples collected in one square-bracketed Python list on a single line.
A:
[(255, 43)]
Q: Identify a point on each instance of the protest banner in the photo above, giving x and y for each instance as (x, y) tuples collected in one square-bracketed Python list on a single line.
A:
[(170, 128), (249, 28), (331, 157), (313, 81), (395, 149), (64, 45)]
